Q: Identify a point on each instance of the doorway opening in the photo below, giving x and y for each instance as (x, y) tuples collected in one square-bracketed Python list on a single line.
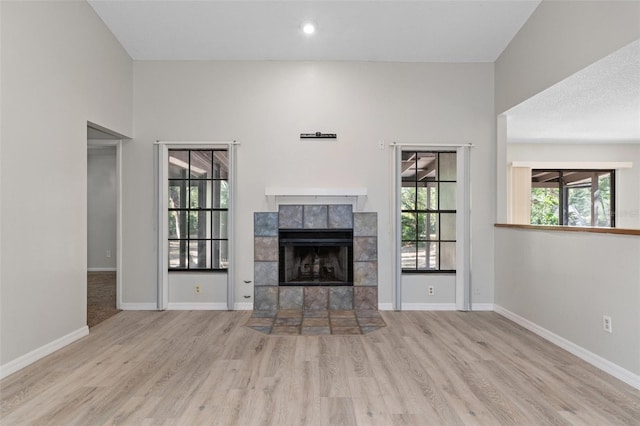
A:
[(103, 225)]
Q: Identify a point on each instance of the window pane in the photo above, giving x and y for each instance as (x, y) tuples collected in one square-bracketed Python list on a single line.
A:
[(199, 254), (178, 254), (220, 254), (422, 198), (427, 166), (408, 255), (422, 226), (220, 164), (409, 226), (447, 256), (447, 196), (433, 256), (178, 164), (448, 166), (220, 224), (602, 201), (422, 255), (177, 224), (199, 224), (448, 226), (432, 195), (220, 194), (201, 164), (408, 196), (200, 194), (177, 194), (579, 206), (544, 206), (432, 226), (408, 159)]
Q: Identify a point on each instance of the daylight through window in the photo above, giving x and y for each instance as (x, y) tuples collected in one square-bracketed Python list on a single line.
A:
[(198, 209), (428, 211), (573, 197)]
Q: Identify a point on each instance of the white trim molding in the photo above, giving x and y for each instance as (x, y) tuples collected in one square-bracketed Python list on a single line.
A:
[(573, 164), (212, 306), (385, 306), (482, 307), (243, 306), (275, 194), (429, 306), (39, 353), (477, 307), (597, 361), (139, 307)]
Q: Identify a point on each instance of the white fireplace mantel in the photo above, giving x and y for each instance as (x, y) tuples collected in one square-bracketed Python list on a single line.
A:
[(276, 194)]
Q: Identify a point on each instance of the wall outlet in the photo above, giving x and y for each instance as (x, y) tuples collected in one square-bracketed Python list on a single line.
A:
[(108, 253), (380, 145), (197, 289), (431, 290), (606, 324)]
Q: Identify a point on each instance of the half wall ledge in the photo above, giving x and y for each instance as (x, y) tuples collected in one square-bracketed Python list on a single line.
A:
[(594, 230), (275, 195)]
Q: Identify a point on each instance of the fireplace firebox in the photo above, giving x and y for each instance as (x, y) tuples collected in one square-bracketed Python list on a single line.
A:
[(315, 257)]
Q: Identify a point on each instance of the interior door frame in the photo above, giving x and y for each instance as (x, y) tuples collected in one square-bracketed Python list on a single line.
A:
[(117, 143)]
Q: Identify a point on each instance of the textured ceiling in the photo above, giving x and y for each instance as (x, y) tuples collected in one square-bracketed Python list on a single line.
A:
[(600, 103), (408, 31)]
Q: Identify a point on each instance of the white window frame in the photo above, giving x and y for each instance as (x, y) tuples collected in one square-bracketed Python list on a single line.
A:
[(463, 222), (162, 203)]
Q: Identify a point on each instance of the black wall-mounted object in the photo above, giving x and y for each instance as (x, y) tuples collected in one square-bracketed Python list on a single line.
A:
[(318, 135)]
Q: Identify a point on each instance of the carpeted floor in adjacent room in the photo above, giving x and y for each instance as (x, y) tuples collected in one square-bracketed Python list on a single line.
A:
[(101, 297)]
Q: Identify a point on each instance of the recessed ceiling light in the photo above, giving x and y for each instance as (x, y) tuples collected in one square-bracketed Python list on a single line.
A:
[(308, 28)]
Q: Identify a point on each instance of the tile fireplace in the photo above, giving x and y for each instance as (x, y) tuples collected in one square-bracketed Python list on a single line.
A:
[(315, 258)]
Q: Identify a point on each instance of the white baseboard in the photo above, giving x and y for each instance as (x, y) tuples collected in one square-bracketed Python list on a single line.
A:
[(385, 306), (482, 307), (101, 269), (138, 306), (603, 364), (428, 306), (39, 353), (197, 306), (243, 306)]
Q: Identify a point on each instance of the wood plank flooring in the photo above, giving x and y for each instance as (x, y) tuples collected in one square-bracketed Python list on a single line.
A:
[(207, 368)]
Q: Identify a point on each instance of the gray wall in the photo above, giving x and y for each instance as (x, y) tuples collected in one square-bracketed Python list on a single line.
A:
[(101, 208), (266, 105), (61, 67), (564, 281)]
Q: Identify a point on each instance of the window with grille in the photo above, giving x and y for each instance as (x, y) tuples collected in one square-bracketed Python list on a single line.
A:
[(428, 209), (198, 209), (573, 197)]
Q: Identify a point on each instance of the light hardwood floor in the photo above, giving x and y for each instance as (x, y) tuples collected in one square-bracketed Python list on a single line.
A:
[(203, 367)]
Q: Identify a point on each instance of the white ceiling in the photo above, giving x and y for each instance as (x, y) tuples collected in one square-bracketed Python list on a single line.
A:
[(600, 103), (406, 31)]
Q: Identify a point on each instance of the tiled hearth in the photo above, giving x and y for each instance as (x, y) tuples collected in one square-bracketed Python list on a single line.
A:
[(315, 309)]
